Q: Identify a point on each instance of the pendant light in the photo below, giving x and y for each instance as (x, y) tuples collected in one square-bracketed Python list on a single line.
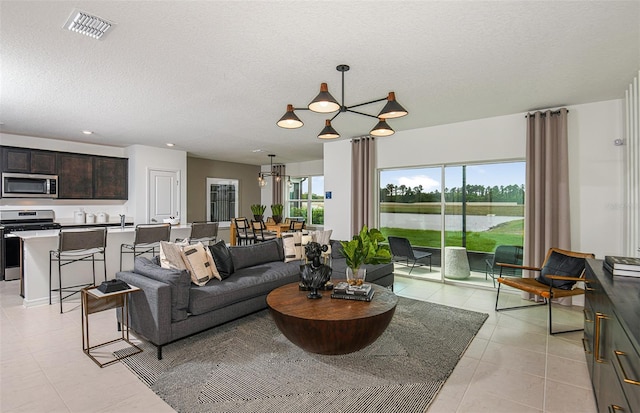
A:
[(289, 120), (328, 132), (382, 129), (324, 102)]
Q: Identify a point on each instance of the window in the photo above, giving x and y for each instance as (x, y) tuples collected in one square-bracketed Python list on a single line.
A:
[(306, 199), (483, 205), (222, 200)]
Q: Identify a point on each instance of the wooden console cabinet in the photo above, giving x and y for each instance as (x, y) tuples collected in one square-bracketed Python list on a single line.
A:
[(612, 338)]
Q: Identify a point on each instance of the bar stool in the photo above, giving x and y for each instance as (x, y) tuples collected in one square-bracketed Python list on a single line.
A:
[(76, 246), (205, 232), (146, 240)]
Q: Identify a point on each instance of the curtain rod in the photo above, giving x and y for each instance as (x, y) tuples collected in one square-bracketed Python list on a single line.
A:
[(553, 112)]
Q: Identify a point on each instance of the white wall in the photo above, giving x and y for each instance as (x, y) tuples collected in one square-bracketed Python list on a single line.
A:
[(594, 166), (141, 158), (337, 180)]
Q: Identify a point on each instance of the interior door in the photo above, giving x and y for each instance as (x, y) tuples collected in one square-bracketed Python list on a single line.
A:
[(164, 195)]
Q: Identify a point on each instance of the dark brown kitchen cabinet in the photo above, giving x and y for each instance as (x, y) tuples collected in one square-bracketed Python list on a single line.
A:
[(75, 176), (110, 178), (612, 338), (24, 160)]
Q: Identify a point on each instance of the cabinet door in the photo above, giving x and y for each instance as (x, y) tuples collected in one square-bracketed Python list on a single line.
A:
[(16, 160), (75, 176), (110, 178), (43, 162)]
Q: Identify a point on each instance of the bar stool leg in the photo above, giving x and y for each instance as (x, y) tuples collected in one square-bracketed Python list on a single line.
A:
[(60, 282)]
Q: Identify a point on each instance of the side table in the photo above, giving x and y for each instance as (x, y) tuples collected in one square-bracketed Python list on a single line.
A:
[(456, 263), (95, 301)]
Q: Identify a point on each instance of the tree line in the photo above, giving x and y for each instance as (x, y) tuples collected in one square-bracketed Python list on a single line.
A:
[(474, 193)]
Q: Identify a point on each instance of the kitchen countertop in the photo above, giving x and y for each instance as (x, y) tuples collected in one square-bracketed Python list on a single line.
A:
[(54, 232)]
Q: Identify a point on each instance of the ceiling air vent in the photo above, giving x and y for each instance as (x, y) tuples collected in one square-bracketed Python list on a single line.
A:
[(84, 23)]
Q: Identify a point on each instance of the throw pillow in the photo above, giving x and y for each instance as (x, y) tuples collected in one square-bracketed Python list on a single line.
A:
[(560, 264), (323, 238), (292, 243), (222, 258), (255, 254), (336, 249), (200, 264), (171, 255)]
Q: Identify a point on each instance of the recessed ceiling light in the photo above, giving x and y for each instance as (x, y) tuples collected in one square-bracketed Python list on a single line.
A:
[(171, 144), (257, 150), (87, 132)]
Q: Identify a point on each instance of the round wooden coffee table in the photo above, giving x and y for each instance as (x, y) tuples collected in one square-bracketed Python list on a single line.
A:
[(329, 325)]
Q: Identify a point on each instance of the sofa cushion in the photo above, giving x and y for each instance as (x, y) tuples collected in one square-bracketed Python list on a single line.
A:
[(178, 280), (200, 263), (374, 272), (255, 254), (244, 284), (336, 249), (222, 258), (171, 255)]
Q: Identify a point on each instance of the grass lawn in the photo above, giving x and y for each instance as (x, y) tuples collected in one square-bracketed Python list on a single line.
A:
[(508, 233)]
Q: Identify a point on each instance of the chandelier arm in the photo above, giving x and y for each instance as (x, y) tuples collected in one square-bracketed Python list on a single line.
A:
[(335, 116), (366, 103), (360, 113)]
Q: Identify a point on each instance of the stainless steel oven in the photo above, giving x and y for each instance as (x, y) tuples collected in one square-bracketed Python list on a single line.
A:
[(16, 185), (15, 221)]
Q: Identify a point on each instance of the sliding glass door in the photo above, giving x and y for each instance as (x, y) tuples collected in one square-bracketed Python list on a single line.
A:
[(476, 207)]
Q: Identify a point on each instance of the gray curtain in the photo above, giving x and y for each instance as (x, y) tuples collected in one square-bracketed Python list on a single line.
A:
[(547, 186), (277, 189), (363, 164)]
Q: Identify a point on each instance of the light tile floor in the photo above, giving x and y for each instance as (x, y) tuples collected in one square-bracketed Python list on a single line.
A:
[(512, 365)]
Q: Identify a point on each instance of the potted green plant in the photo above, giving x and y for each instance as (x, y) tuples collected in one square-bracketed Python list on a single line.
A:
[(276, 212), (258, 211), (364, 248)]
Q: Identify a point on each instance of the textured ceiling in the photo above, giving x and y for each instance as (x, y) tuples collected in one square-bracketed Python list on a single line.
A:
[(213, 77)]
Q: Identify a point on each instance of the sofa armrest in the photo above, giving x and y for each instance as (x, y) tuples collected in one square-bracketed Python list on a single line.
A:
[(149, 309)]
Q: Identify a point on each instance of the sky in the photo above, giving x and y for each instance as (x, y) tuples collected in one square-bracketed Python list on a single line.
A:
[(500, 174)]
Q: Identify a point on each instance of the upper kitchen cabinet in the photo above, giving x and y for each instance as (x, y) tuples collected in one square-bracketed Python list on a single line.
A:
[(75, 176), (31, 161), (110, 177)]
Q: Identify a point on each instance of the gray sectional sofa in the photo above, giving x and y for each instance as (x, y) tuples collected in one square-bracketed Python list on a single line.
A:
[(170, 307)]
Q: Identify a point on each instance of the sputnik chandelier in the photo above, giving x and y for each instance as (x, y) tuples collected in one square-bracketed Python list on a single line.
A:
[(325, 103)]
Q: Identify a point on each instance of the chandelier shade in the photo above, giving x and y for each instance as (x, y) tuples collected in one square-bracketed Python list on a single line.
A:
[(392, 109), (325, 103), (382, 129), (328, 132), (290, 120)]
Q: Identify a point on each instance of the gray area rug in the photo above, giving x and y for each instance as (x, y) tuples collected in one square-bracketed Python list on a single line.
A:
[(248, 366)]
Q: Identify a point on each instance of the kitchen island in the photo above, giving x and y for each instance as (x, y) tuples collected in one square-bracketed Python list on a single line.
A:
[(35, 247)]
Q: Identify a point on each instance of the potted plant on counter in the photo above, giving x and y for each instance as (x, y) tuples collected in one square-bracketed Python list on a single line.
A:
[(364, 248), (258, 211), (276, 212)]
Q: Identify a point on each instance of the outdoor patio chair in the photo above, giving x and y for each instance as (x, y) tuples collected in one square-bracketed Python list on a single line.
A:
[(401, 249), (507, 254)]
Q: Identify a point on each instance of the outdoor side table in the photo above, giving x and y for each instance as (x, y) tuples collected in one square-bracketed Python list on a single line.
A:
[(95, 301)]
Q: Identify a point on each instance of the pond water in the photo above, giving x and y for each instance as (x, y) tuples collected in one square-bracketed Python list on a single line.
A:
[(475, 223)]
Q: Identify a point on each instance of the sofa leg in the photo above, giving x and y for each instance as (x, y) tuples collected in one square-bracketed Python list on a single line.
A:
[(159, 352)]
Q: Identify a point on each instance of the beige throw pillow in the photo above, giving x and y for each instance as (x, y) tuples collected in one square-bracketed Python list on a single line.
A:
[(171, 255), (200, 264), (291, 242)]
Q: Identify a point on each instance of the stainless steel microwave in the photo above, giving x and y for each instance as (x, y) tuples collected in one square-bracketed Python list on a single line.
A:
[(16, 185)]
